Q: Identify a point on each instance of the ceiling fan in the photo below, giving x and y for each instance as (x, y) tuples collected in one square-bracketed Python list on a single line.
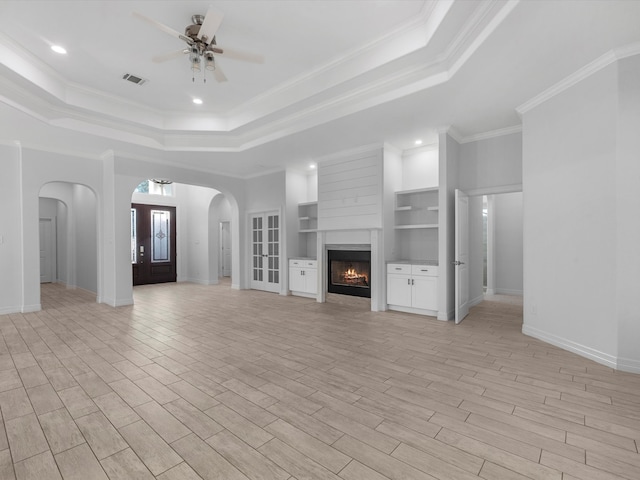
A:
[(202, 47)]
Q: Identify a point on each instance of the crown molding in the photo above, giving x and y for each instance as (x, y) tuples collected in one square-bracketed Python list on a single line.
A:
[(421, 149), (492, 134), (176, 131), (589, 69)]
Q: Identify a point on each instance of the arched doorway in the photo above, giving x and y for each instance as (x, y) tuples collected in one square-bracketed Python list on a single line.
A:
[(68, 241)]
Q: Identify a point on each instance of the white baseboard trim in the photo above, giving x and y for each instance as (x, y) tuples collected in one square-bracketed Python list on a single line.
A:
[(36, 307), (490, 291), (8, 310), (120, 302), (582, 350), (629, 365), (476, 301), (446, 316), (199, 281), (236, 286), (417, 311), (506, 291)]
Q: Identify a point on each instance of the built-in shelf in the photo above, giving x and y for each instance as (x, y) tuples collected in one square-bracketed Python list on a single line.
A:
[(307, 227), (416, 222), (308, 230)]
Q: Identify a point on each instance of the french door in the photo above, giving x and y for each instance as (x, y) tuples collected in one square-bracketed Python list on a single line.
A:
[(265, 251), (153, 244)]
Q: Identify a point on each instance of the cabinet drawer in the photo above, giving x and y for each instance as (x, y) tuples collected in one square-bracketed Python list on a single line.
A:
[(426, 270), (399, 268), (301, 262)]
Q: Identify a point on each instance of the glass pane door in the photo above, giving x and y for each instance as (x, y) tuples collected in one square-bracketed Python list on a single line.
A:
[(265, 252), (273, 246), (256, 245)]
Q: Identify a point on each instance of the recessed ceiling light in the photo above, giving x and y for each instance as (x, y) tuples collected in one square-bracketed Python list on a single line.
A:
[(197, 101), (59, 49), (418, 142), (312, 166)]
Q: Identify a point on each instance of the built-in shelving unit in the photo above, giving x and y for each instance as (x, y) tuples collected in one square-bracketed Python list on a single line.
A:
[(416, 222), (417, 208), (307, 228), (308, 217)]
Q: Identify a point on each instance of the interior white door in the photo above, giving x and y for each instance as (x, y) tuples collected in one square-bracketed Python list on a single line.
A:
[(462, 256), (225, 243), (47, 249), (265, 251)]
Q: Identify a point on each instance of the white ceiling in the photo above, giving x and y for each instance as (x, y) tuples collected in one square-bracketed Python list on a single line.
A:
[(337, 73)]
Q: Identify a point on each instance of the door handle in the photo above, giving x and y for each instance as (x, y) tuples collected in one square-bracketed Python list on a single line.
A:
[(457, 262)]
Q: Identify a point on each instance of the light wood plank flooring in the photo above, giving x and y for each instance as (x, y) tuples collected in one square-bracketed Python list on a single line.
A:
[(208, 382)]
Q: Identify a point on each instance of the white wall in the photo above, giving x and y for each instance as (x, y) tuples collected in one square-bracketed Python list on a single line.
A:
[(507, 248), (219, 211), (449, 161), (490, 163), (85, 209), (627, 211), (420, 168), (266, 193), (197, 238), (569, 210), (11, 247), (476, 250)]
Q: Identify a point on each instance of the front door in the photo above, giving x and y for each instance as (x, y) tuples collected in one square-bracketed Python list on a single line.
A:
[(153, 244), (265, 251)]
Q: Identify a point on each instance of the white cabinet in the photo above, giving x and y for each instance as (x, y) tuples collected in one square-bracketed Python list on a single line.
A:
[(303, 277), (412, 288)]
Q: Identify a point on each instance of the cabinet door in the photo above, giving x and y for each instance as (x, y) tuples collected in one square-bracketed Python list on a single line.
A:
[(311, 280), (425, 292), (399, 290), (296, 279)]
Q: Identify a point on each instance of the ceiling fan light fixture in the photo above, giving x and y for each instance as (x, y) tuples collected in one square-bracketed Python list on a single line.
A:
[(209, 62)]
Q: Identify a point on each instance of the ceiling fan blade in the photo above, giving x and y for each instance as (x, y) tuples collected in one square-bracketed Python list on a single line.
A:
[(238, 54), (163, 27), (212, 21), (219, 74), (168, 56)]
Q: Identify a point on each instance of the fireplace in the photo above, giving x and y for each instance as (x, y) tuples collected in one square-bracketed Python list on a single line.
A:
[(349, 272)]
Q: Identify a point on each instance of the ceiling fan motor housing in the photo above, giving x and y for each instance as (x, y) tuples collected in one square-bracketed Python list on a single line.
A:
[(192, 31)]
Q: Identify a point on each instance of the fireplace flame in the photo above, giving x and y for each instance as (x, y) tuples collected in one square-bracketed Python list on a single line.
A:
[(352, 276)]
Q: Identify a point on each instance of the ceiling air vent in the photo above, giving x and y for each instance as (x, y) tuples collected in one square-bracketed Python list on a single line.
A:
[(134, 79)]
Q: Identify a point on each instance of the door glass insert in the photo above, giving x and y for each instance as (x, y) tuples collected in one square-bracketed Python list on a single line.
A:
[(273, 239), (160, 234), (257, 248), (134, 236)]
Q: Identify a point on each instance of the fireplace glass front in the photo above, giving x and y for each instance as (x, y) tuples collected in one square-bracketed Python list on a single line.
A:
[(350, 272)]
